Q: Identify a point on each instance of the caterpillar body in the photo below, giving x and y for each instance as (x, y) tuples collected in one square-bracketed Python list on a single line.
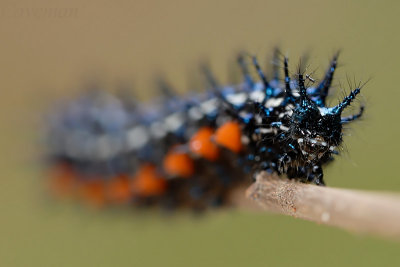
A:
[(194, 151)]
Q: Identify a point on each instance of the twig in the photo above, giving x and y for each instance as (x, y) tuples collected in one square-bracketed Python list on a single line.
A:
[(360, 211)]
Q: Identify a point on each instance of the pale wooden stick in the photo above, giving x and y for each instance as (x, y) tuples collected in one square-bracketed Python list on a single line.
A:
[(360, 211)]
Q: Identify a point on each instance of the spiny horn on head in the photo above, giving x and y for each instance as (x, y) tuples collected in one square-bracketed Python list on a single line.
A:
[(326, 83), (304, 100), (288, 90), (346, 101)]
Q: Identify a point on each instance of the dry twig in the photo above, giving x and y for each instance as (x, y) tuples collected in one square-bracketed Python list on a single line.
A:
[(360, 211)]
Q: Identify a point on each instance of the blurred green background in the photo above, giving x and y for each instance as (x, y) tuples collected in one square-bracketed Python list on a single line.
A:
[(45, 57)]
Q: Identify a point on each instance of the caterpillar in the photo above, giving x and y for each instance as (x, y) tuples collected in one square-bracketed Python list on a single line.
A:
[(193, 151)]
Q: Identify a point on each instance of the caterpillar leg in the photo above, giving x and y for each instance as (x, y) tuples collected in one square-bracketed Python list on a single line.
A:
[(316, 176), (283, 163)]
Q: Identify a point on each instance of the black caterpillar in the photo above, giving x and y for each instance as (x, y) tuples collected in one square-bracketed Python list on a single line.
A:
[(193, 151)]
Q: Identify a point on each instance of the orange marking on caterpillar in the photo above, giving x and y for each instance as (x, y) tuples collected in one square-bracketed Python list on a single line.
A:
[(178, 164), (63, 180), (94, 192), (148, 182), (201, 144), (119, 189), (229, 136)]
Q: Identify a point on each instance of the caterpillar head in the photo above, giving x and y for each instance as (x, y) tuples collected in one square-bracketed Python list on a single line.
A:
[(318, 130)]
